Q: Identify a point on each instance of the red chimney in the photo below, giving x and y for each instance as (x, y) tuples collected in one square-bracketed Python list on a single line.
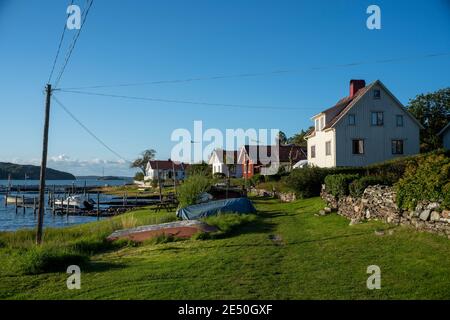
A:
[(355, 85)]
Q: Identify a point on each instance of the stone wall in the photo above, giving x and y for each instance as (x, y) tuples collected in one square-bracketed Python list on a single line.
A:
[(378, 202), (283, 196)]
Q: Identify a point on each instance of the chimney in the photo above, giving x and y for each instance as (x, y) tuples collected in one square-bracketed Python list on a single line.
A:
[(355, 86)]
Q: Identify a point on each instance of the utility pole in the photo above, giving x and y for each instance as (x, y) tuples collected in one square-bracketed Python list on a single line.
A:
[(41, 208)]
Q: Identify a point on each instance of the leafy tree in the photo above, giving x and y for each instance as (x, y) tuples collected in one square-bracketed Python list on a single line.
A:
[(141, 162), (282, 138), (299, 139), (433, 112)]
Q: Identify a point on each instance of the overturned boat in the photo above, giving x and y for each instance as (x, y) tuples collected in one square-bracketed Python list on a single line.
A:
[(198, 211)]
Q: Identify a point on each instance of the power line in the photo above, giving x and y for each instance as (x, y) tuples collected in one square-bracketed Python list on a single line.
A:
[(74, 41), (183, 101), (267, 73), (59, 48), (87, 129)]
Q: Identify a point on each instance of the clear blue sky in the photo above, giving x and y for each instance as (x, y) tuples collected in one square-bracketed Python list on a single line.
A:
[(134, 41)]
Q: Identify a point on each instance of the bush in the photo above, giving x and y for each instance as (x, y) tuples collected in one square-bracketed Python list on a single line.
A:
[(192, 187), (256, 179), (338, 184), (357, 187), (428, 179), (306, 182), (42, 259), (139, 176)]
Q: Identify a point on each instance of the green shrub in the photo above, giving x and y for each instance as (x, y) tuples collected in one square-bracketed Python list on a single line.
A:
[(256, 179), (338, 184), (192, 187), (42, 259), (162, 238), (306, 182), (357, 187), (428, 179), (201, 236)]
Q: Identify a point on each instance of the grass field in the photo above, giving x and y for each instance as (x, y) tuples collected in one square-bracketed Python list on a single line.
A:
[(286, 253)]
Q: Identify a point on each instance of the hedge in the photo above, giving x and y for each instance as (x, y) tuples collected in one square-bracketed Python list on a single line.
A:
[(428, 179), (338, 184), (357, 187)]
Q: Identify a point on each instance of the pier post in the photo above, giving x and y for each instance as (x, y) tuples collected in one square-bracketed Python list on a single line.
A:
[(23, 204), (6, 199), (68, 204), (16, 203), (34, 205), (98, 205)]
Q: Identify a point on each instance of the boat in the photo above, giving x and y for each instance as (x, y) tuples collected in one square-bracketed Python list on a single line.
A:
[(80, 202), (20, 200)]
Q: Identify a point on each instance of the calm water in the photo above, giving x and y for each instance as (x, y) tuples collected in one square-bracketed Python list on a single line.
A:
[(10, 220)]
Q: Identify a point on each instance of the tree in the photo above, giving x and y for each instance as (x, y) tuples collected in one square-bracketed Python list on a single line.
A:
[(433, 112), (282, 138), (141, 162), (202, 169), (299, 138)]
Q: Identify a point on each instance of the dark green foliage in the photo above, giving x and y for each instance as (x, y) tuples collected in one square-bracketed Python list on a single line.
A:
[(192, 187), (428, 179), (357, 187), (256, 179), (338, 184), (32, 172), (433, 112), (307, 182)]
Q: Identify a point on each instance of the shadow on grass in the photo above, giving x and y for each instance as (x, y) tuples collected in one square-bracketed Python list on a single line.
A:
[(101, 266)]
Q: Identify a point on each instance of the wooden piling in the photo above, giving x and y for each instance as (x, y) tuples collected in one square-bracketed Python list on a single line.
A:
[(98, 205), (34, 205), (68, 204), (23, 203), (16, 203)]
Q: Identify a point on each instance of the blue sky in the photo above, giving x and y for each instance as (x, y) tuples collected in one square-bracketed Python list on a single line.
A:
[(141, 41)]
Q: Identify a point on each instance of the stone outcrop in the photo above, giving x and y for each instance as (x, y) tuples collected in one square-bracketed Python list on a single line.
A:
[(379, 203)]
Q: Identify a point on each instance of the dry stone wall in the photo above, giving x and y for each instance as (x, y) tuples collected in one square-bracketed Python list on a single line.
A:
[(379, 202)]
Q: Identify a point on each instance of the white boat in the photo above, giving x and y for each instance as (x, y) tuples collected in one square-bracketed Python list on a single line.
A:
[(80, 202)]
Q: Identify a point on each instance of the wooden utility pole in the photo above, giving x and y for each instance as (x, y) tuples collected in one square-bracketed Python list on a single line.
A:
[(41, 208)]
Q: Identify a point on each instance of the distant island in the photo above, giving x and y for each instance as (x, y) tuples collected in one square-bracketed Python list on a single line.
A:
[(21, 172)]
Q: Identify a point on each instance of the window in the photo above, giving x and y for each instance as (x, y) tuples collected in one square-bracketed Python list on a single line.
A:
[(397, 146), (313, 151), (358, 146), (328, 148), (377, 118), (376, 94), (320, 123), (399, 120), (351, 119)]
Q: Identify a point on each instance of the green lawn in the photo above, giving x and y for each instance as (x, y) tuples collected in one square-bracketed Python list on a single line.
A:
[(288, 253)]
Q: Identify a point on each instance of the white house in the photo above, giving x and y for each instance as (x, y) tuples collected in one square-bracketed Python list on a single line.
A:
[(166, 169), (445, 133), (225, 162), (370, 125)]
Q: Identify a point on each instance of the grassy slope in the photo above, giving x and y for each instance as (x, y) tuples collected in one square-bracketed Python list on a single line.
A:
[(313, 257)]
